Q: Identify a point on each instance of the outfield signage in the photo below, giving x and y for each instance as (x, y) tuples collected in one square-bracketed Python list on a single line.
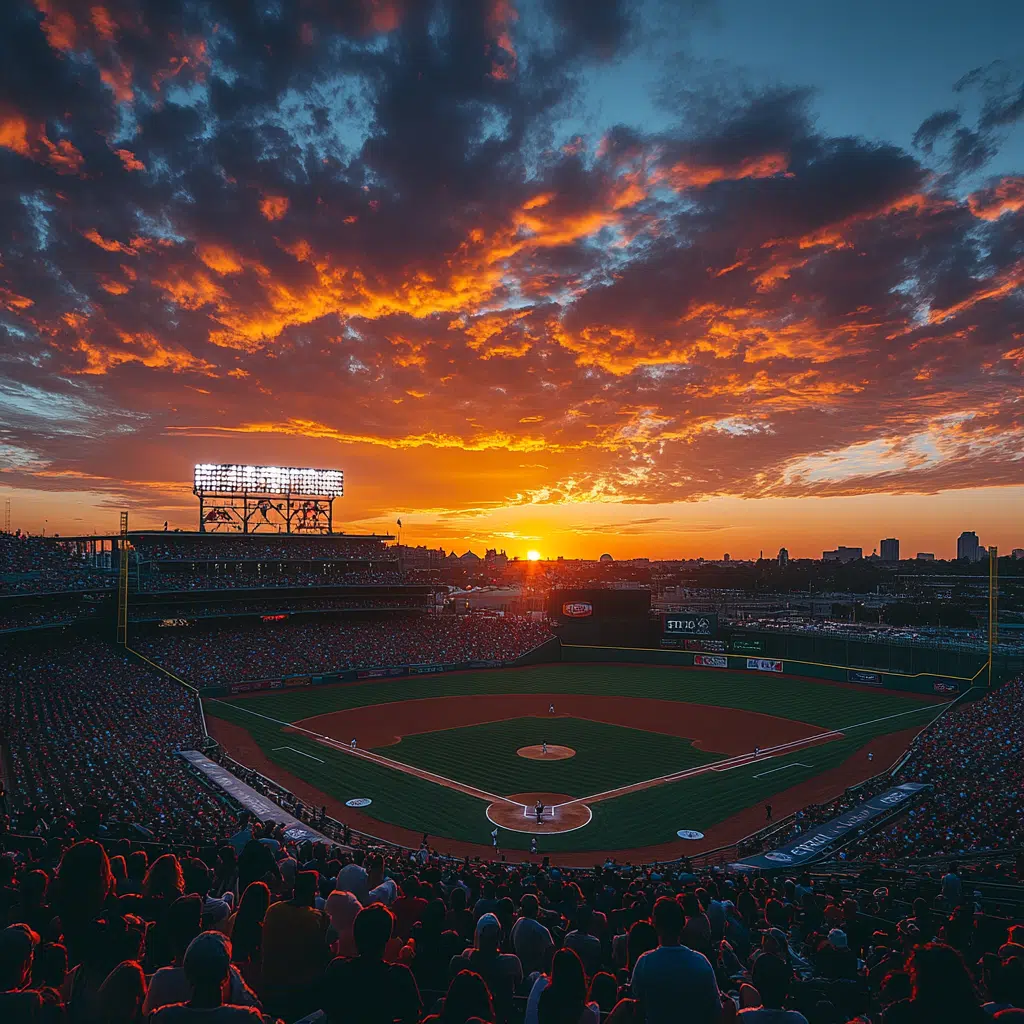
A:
[(577, 609), (746, 645), (764, 664), (707, 646), (812, 844), (711, 660), (941, 686), (855, 675), (689, 624)]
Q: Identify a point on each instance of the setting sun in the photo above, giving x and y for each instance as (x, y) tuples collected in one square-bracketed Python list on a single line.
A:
[(533, 556)]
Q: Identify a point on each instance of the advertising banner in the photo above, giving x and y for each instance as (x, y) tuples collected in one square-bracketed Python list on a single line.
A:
[(710, 646), (813, 843), (764, 664), (297, 681), (746, 645), (711, 660), (855, 675), (941, 686), (420, 670), (689, 623)]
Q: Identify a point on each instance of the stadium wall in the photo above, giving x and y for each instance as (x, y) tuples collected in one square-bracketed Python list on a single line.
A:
[(925, 682)]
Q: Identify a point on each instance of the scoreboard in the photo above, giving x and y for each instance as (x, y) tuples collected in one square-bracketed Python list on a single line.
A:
[(682, 624)]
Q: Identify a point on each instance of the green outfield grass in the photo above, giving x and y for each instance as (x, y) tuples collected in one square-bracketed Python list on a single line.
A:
[(640, 819), (607, 756)]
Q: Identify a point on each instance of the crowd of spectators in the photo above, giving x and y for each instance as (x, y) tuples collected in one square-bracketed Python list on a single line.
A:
[(45, 565), (255, 929), (974, 758), (81, 724), (400, 601), (225, 656), (270, 575), (170, 547)]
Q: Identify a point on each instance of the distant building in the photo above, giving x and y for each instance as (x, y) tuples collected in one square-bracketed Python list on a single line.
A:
[(890, 550), (925, 556), (1017, 553), (495, 560), (783, 557), (843, 554), (470, 558), (968, 547), (606, 558), (726, 559)]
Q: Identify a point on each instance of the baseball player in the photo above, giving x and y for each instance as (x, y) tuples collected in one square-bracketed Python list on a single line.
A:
[(353, 743), (757, 751), (551, 709), (871, 756), (539, 811), (494, 837), (533, 844), (544, 748)]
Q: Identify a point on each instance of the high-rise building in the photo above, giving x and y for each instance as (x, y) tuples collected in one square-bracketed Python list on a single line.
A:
[(1017, 553), (890, 549), (842, 554), (925, 556), (783, 557), (968, 547)]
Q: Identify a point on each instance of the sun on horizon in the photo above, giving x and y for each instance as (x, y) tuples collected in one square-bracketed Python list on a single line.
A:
[(533, 556)]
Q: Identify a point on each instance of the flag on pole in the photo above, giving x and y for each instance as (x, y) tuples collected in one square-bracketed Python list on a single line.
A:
[(399, 522)]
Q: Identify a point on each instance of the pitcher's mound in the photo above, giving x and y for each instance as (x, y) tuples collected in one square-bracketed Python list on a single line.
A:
[(554, 752), (517, 813)]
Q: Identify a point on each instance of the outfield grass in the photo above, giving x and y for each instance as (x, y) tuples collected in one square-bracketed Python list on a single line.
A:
[(607, 756), (645, 818)]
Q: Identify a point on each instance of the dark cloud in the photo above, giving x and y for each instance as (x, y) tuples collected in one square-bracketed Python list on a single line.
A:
[(935, 127)]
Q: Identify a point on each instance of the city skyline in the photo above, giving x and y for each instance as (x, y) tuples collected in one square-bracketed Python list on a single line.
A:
[(640, 277)]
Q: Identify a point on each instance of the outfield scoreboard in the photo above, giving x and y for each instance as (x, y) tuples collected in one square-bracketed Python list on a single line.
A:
[(689, 624)]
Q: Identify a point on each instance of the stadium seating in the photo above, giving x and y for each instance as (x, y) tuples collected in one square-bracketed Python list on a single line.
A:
[(43, 565), (208, 659)]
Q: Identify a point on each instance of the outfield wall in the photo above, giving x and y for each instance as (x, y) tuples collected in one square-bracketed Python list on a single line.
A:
[(926, 682)]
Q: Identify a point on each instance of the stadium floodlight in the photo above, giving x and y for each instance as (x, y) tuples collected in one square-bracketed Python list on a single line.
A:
[(228, 478)]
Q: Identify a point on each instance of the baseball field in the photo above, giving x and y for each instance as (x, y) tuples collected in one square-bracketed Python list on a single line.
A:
[(628, 757)]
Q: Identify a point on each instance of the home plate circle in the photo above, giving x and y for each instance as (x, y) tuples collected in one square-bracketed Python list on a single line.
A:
[(518, 814), (688, 833), (359, 801)]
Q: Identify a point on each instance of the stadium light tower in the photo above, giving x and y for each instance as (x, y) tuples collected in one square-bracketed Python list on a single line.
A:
[(280, 499)]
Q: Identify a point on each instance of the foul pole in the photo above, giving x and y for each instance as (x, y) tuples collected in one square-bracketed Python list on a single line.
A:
[(122, 585)]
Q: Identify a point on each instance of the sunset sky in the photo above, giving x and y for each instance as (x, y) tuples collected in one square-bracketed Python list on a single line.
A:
[(658, 278)]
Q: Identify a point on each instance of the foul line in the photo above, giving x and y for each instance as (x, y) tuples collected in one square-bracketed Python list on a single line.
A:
[(724, 764), (782, 768), (295, 750)]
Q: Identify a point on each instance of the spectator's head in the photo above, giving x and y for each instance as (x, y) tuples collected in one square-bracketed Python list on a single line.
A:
[(183, 923), (372, 929), (164, 879), (642, 937), (1005, 982), (138, 862), (342, 909), (604, 990), (457, 899), (207, 966), (33, 889), (529, 905), (122, 994), (487, 937), (584, 918), (895, 986), (49, 965), (305, 888), (16, 945), (940, 983), (771, 977), (565, 997), (83, 880), (197, 876), (668, 920), (467, 997), (837, 938)]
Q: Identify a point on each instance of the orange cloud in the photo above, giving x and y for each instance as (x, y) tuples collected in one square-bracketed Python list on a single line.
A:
[(139, 348), (31, 141), (993, 203), (219, 259), (683, 175), (130, 161), (274, 207), (109, 244)]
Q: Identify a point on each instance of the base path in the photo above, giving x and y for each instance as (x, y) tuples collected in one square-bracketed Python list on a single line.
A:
[(553, 752)]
